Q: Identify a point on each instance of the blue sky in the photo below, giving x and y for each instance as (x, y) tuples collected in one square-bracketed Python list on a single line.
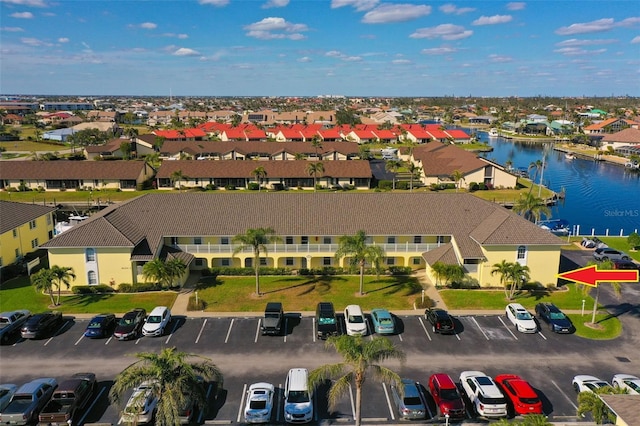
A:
[(314, 47)]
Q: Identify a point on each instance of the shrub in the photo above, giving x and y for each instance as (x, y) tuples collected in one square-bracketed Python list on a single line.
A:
[(385, 184), (125, 288), (253, 186), (92, 289), (210, 187), (227, 270), (420, 304), (230, 187), (482, 186), (473, 186), (403, 184), (400, 270), (634, 241), (193, 306), (434, 187)]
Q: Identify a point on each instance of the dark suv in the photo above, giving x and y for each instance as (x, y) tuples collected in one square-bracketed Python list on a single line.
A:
[(326, 318), (441, 321), (273, 319)]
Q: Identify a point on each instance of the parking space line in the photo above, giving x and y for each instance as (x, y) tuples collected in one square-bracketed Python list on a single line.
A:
[(565, 395), (480, 328), (201, 415), (386, 395), (286, 328), (542, 335), (88, 410), (353, 406), (201, 330), (57, 332), (108, 340), (78, 341), (229, 331), (424, 328), (400, 337), (175, 327), (313, 329), (257, 331), (244, 392), (508, 329)]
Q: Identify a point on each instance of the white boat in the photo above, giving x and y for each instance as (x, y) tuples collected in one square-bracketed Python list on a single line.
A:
[(569, 155), (493, 133), (558, 227), (68, 224)]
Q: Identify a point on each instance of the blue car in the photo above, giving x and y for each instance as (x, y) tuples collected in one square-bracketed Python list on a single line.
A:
[(101, 326), (382, 321)]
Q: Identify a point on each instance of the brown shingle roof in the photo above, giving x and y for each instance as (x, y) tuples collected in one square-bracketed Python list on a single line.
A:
[(441, 160), (445, 254), (63, 169), (223, 147), (14, 214), (630, 136), (200, 214)]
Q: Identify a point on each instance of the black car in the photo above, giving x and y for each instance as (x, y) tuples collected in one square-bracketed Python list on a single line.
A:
[(130, 326), (557, 320), (101, 326), (40, 325), (441, 321), (625, 264), (326, 318)]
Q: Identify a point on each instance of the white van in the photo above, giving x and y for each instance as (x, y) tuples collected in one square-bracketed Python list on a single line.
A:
[(298, 400)]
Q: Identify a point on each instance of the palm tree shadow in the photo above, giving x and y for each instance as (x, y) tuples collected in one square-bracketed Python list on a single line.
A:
[(321, 283), (401, 283)]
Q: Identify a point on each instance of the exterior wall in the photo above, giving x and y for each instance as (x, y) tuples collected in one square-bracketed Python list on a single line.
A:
[(113, 264), (89, 183), (543, 262), (27, 238)]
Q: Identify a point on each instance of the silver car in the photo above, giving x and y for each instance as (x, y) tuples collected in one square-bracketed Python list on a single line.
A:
[(411, 406), (607, 253)]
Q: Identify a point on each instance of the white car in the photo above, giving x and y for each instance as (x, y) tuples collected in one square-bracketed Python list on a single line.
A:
[(485, 396), (521, 318), (586, 383), (141, 406), (157, 321), (6, 392), (354, 321), (628, 382), (259, 403)]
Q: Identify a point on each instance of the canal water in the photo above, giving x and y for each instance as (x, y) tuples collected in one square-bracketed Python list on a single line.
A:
[(601, 198)]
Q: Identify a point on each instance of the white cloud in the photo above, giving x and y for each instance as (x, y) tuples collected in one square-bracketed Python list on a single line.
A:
[(35, 42), (516, 5), (184, 51), (453, 9), (12, 29), (400, 61), (492, 20), (217, 3), (577, 51), (304, 59), (599, 25), (22, 15), (359, 5), (444, 50), (275, 28), (333, 54), (31, 3), (635, 40), (178, 36), (499, 58), (63, 40), (352, 58), (444, 31), (148, 26), (275, 3), (577, 42), (395, 13)]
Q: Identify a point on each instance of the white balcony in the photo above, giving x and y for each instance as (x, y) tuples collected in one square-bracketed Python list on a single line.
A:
[(303, 249)]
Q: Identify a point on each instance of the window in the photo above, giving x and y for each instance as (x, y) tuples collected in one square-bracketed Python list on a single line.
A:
[(225, 262), (32, 224), (197, 240), (199, 262), (263, 261), (90, 255), (326, 261), (288, 261), (416, 261), (391, 240), (440, 239), (92, 278), (174, 241), (417, 239), (224, 240), (326, 240), (391, 261), (15, 233), (288, 240), (522, 252), (17, 252), (34, 243), (304, 240)]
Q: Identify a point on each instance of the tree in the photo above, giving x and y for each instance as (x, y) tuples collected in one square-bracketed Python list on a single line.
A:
[(63, 276), (256, 239), (531, 207), (511, 274), (634, 240), (259, 173), (126, 148), (355, 247), (360, 357), (586, 289), (177, 176), (43, 281), (316, 142), (590, 402), (393, 166), (536, 166), (164, 273), (314, 169), (174, 380), (175, 270), (457, 176), (414, 171)]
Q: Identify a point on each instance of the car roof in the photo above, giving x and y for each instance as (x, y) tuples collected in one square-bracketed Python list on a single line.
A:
[(517, 306), (444, 380), (381, 312), (520, 386), (410, 387), (354, 309), (33, 385), (261, 385), (158, 310)]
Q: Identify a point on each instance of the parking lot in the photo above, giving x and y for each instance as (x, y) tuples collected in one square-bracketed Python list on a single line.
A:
[(482, 342)]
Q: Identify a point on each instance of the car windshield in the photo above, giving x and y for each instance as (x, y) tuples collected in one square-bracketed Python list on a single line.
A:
[(557, 315), (126, 321), (385, 321), (412, 400), (356, 319), (95, 324), (523, 316), (155, 319), (326, 320), (449, 394), (258, 405), (271, 315), (298, 396), (633, 385)]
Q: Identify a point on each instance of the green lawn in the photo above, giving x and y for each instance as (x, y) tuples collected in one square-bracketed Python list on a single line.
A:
[(235, 294), (495, 299), (29, 146), (612, 327), (620, 243), (19, 294)]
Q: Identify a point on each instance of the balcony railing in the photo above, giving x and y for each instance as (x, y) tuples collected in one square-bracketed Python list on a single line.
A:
[(305, 249)]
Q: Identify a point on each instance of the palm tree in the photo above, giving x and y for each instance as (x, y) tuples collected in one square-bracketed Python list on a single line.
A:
[(63, 276), (590, 402), (531, 207), (257, 240), (43, 281), (536, 166), (393, 166), (414, 171), (174, 381), (156, 271), (586, 289), (314, 169), (355, 247), (316, 142), (177, 176), (259, 173), (511, 274), (457, 176), (359, 357), (175, 269)]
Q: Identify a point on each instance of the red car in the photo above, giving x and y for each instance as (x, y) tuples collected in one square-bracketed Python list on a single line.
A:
[(446, 395), (522, 396)]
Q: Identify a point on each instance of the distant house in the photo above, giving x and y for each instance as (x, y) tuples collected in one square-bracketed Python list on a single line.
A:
[(109, 150), (65, 175), (58, 135), (23, 228), (610, 126), (628, 136)]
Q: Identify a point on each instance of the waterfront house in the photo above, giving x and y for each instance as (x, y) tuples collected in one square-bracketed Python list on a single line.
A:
[(415, 230), (628, 136), (23, 228)]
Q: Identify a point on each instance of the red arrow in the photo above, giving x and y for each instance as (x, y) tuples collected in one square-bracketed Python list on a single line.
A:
[(590, 275)]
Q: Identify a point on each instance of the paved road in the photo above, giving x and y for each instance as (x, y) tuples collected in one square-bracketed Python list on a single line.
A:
[(486, 343)]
